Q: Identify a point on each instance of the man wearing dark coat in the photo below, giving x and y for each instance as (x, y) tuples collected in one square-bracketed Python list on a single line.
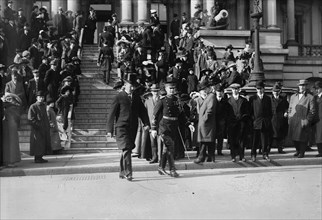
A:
[(34, 85), (175, 26), (21, 20), (279, 118), (207, 119), (24, 39), (106, 37), (125, 110), (238, 116), (154, 19), (40, 143), (60, 22), (35, 54), (318, 125), (8, 12), (105, 60), (301, 114), (261, 112), (52, 81)]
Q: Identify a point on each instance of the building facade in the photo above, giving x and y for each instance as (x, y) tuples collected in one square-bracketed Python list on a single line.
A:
[(291, 29)]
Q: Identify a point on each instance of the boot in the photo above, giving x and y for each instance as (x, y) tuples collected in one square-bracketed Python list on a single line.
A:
[(162, 164)]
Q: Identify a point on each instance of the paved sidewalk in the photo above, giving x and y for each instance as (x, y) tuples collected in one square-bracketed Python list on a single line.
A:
[(109, 162)]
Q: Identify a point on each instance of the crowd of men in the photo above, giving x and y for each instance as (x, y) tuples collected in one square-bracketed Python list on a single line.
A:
[(192, 99), (39, 59)]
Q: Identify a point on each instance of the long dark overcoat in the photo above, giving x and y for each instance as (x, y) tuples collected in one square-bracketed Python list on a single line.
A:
[(261, 112), (207, 120), (301, 111), (40, 143), (125, 111), (318, 125), (279, 122)]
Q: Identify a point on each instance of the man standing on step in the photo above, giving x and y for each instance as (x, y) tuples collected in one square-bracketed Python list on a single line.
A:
[(125, 110), (105, 60)]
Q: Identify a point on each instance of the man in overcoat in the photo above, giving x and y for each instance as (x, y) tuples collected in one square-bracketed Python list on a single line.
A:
[(207, 120), (40, 143), (238, 117), (261, 113), (301, 114), (279, 118), (125, 110), (318, 125), (34, 85)]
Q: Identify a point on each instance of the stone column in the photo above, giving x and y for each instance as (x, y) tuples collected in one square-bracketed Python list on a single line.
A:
[(193, 5), (271, 14), (316, 23), (55, 4), (291, 43), (3, 5), (209, 5), (126, 12), (74, 5), (241, 14), (143, 11)]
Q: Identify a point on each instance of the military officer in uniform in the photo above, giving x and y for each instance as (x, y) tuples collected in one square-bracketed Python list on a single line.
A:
[(165, 114)]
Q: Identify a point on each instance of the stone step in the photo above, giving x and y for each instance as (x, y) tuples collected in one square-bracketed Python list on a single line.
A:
[(94, 144), (97, 86), (89, 125), (100, 115), (79, 120), (24, 133), (90, 138), (80, 150), (24, 127), (88, 132), (24, 139), (106, 91), (93, 110), (92, 105), (101, 97), (93, 74)]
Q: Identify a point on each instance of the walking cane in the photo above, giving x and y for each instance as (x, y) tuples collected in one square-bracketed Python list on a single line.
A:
[(185, 148)]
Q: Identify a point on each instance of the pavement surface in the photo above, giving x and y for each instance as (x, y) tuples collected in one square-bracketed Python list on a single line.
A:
[(109, 162), (287, 192)]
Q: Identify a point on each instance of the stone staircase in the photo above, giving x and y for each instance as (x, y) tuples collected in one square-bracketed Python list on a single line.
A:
[(89, 126)]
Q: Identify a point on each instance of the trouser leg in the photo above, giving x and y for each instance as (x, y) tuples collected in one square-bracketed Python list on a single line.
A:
[(319, 145), (202, 152), (126, 162), (220, 142), (169, 148), (264, 141), (256, 138), (211, 151), (154, 146)]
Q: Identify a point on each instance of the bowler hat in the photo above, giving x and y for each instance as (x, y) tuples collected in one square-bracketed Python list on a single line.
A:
[(302, 82), (154, 87), (234, 86), (260, 85), (318, 85), (276, 88), (41, 93), (118, 84), (203, 85)]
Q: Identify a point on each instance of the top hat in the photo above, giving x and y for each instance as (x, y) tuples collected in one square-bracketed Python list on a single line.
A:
[(234, 86), (131, 79), (154, 87), (302, 82), (318, 85), (260, 85)]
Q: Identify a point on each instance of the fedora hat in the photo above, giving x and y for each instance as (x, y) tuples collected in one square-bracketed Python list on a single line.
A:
[(203, 85), (276, 88), (170, 81), (41, 93), (259, 85), (302, 82), (154, 87)]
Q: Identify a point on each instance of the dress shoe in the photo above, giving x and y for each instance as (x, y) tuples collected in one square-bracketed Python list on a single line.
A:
[(281, 151), (161, 171), (41, 160), (253, 158), (319, 155), (128, 178), (233, 160), (153, 161), (198, 161), (266, 157), (296, 154), (242, 159), (300, 156), (173, 173)]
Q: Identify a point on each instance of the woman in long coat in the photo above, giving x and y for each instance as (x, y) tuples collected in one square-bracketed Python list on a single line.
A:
[(206, 129), (40, 129), (318, 125), (12, 108), (54, 135)]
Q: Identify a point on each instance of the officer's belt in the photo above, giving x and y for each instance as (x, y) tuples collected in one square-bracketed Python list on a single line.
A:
[(170, 118)]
